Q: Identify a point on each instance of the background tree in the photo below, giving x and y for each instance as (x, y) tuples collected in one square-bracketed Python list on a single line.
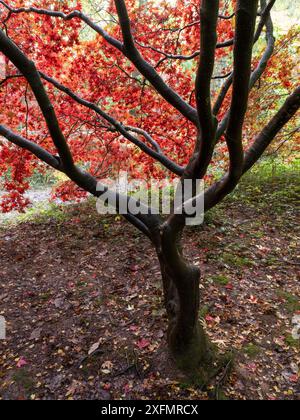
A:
[(148, 78)]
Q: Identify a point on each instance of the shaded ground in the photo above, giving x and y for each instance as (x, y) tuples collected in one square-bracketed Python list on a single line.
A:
[(73, 283)]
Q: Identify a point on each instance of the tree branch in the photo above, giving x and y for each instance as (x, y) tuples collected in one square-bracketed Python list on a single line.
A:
[(245, 25), (222, 95), (264, 20), (83, 179), (181, 56), (270, 39), (155, 154), (208, 123), (264, 139), (75, 14), (219, 190), (132, 53), (7, 78), (34, 148), (145, 222), (29, 71)]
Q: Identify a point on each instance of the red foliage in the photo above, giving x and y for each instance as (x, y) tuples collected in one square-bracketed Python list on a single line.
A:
[(86, 63)]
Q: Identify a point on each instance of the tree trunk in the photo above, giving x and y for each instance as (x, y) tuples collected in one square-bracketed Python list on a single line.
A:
[(187, 340)]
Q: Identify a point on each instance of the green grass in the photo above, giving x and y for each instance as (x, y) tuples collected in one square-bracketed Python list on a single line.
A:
[(272, 186), (37, 180), (42, 180), (41, 214), (215, 216), (271, 182)]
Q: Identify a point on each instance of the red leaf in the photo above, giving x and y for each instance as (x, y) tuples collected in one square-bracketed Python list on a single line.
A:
[(209, 318), (294, 378), (21, 362), (143, 343)]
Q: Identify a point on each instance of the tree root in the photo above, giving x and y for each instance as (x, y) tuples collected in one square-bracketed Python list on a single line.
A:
[(215, 371)]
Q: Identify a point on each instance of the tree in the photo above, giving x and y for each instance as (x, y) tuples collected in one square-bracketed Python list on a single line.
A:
[(179, 92)]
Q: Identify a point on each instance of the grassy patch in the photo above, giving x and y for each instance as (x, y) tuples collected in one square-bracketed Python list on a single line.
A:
[(43, 214), (215, 216), (39, 214), (43, 180), (271, 184)]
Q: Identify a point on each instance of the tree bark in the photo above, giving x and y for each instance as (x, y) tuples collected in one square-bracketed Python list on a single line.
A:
[(187, 340)]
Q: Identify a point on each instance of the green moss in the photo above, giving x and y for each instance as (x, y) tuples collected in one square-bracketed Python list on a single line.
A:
[(292, 342), (98, 302), (221, 396), (272, 260), (196, 360), (201, 372), (81, 283), (235, 260), (220, 279), (258, 235), (251, 350), (292, 302), (203, 312), (45, 296), (214, 216), (23, 379)]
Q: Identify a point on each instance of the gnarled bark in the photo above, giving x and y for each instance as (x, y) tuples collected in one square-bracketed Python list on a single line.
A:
[(187, 340)]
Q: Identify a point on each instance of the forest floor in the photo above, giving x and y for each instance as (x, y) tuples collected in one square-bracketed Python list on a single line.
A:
[(82, 299)]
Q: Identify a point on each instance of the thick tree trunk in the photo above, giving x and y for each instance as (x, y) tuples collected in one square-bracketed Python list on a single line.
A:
[(187, 339)]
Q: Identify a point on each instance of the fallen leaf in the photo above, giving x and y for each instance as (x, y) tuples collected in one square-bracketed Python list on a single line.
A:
[(21, 362), (143, 343), (93, 348)]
